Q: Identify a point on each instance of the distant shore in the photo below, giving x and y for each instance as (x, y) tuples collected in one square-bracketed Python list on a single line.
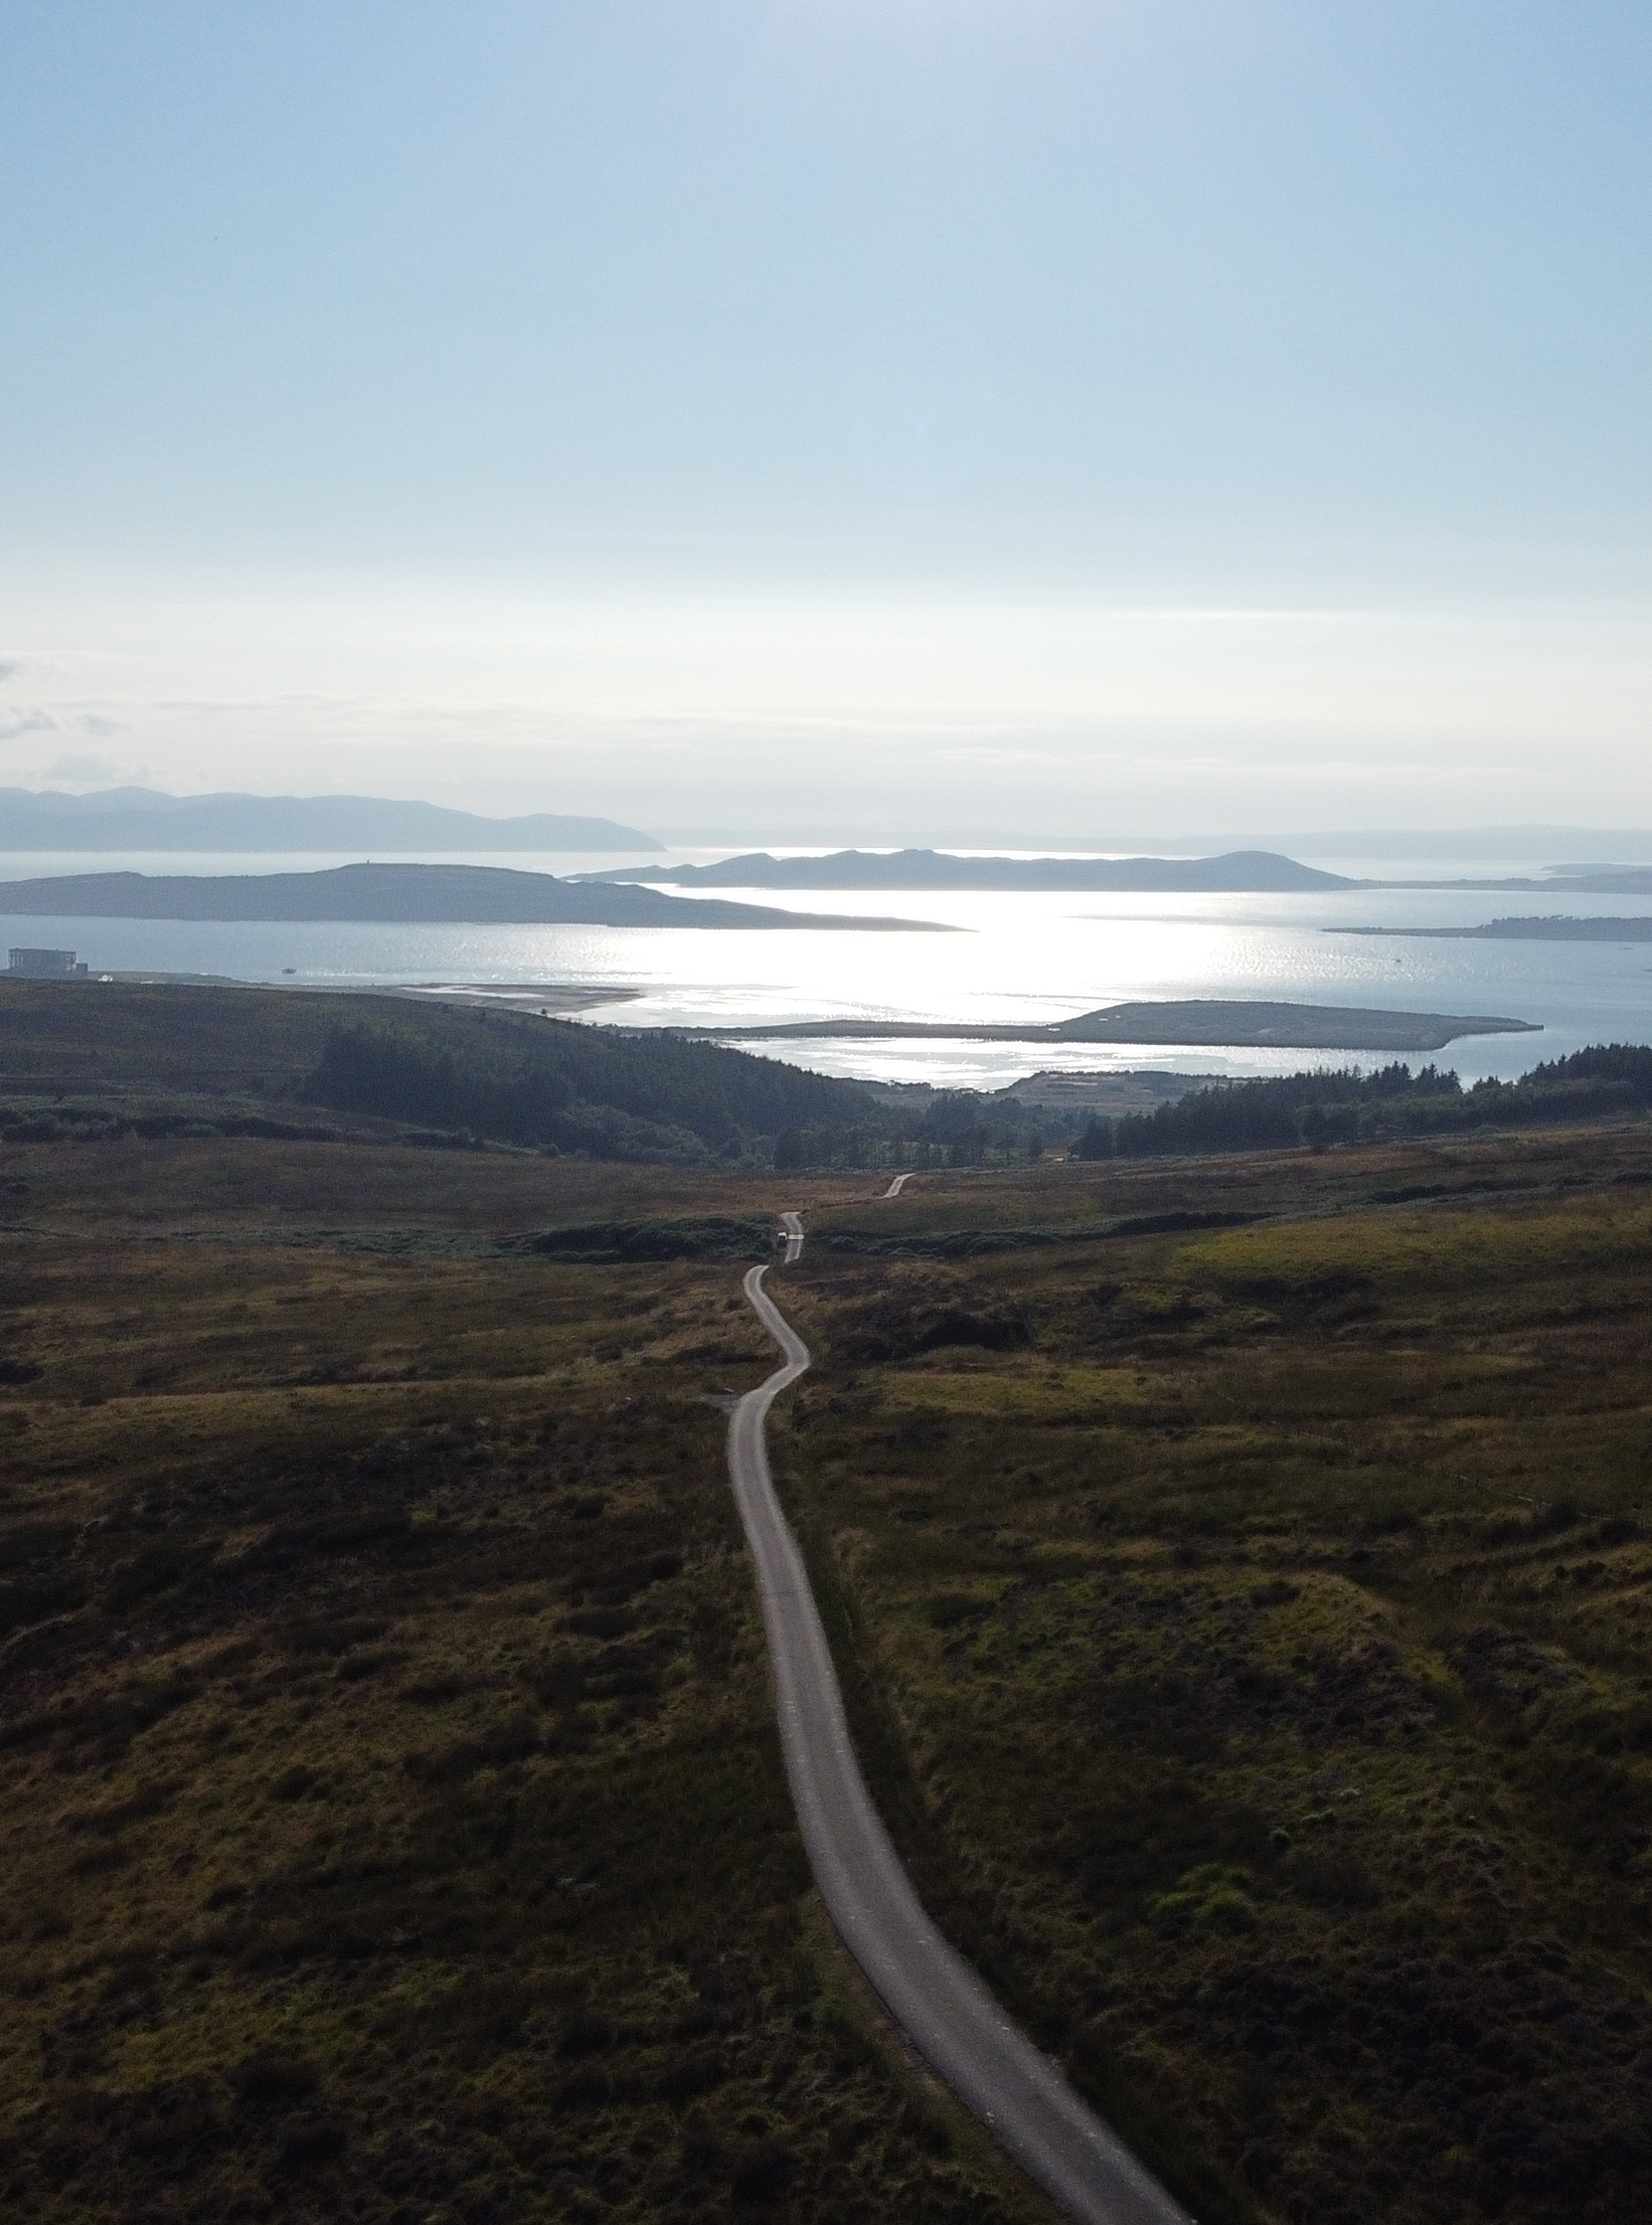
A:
[(1206, 1022), (1558, 929), (1236, 872), (403, 895)]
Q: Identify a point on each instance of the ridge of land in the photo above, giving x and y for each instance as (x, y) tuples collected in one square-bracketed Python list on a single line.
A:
[(136, 818), (107, 1059), (1237, 870), (1581, 881), (473, 894), (1234, 872)]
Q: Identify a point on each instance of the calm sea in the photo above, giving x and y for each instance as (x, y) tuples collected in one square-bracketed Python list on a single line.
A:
[(1016, 957)]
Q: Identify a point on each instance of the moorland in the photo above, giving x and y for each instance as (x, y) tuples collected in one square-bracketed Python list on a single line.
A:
[(1240, 1567), (96, 1059), (1252, 1629)]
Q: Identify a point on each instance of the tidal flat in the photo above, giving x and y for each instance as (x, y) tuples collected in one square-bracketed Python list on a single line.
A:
[(1241, 1572)]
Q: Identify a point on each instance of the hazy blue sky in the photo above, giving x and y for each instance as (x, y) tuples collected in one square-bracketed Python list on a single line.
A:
[(797, 415)]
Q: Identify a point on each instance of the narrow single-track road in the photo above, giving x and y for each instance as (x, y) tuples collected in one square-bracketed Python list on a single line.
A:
[(928, 1987), (899, 1183)]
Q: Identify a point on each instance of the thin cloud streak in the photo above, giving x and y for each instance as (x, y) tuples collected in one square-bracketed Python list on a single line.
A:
[(777, 714)]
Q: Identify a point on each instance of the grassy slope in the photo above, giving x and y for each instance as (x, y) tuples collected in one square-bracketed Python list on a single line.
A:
[(1256, 1664), (220, 1054), (88, 1036), (395, 1824), (1252, 1660)]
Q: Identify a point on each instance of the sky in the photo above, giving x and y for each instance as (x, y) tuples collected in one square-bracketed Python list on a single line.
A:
[(790, 419)]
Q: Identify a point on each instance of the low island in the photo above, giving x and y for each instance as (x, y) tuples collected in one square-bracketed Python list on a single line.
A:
[(1556, 927), (1207, 1022), (398, 895)]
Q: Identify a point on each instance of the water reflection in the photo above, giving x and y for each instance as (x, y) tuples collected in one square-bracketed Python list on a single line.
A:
[(1015, 957)]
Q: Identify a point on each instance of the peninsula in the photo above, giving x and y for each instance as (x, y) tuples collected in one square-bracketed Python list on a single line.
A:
[(1207, 1022), (1582, 879), (1239, 872), (475, 894), (1557, 928)]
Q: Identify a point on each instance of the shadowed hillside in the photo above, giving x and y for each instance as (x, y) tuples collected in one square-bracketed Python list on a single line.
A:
[(92, 1057)]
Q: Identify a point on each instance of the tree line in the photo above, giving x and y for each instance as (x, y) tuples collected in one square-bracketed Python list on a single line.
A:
[(557, 1086), (1347, 1106)]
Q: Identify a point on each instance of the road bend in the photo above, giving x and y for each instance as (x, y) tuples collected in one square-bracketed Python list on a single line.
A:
[(929, 1989), (899, 1183)]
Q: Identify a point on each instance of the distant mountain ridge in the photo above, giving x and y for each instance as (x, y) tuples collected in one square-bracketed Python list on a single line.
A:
[(1239, 871), (147, 820), (474, 895)]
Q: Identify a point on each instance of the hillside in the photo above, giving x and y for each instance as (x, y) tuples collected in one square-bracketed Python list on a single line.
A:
[(90, 1056), (1604, 1082), (559, 1085)]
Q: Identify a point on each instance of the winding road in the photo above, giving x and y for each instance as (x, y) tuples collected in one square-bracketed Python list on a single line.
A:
[(926, 1985)]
